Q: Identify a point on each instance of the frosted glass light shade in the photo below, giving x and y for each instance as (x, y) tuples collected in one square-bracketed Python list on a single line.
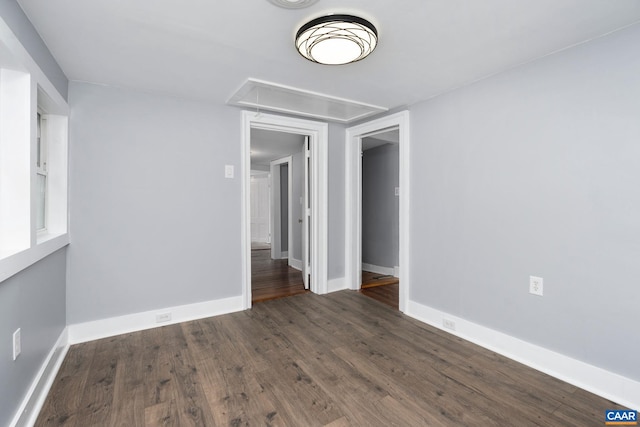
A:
[(336, 39)]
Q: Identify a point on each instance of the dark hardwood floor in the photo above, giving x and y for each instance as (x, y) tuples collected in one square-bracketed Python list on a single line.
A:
[(381, 288), (334, 360), (372, 280), (271, 279)]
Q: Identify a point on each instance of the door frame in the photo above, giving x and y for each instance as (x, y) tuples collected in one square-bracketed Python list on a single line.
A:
[(318, 133), (353, 200), (276, 211)]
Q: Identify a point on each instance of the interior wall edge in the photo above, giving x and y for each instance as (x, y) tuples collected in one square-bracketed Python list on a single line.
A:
[(31, 405), (601, 382), (337, 284), (103, 328), (378, 269)]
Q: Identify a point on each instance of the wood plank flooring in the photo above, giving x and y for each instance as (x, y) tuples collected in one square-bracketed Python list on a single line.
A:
[(386, 294), (273, 278), (335, 360), (385, 289), (372, 280)]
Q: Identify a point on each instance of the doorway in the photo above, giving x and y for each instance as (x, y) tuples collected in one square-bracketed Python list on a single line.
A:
[(353, 220), (276, 263), (317, 164), (380, 157)]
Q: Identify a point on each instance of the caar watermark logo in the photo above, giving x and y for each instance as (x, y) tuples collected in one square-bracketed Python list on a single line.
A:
[(620, 417)]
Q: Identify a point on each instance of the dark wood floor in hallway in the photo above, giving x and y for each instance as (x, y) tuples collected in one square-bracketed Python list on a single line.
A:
[(310, 360), (273, 278), (383, 288)]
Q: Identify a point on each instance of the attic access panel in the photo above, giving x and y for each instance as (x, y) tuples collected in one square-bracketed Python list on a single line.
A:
[(268, 96)]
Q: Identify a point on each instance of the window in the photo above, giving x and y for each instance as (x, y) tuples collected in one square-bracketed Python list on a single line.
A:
[(50, 169), (41, 171), (33, 160), (15, 161)]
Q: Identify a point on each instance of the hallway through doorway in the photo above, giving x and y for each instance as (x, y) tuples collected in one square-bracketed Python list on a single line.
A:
[(272, 278)]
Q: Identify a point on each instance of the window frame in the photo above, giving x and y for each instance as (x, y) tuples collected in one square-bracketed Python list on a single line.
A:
[(25, 91), (42, 167)]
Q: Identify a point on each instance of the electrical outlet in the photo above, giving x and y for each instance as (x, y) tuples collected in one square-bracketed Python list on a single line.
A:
[(536, 285), (449, 324), (397, 191), (17, 345), (163, 317), (228, 171)]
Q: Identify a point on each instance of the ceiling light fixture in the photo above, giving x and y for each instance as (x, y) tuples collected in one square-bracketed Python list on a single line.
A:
[(336, 39), (293, 4)]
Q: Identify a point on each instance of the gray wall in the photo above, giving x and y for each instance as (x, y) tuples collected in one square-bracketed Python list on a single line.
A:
[(297, 185), (34, 301), (284, 207), (535, 172), (15, 18), (155, 223), (380, 206)]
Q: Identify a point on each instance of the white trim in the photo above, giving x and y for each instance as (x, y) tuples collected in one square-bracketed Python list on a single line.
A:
[(337, 284), (34, 399), (285, 254), (351, 110), (97, 329), (295, 263), (596, 380), (319, 134), (353, 211), (275, 233), (16, 263), (387, 271)]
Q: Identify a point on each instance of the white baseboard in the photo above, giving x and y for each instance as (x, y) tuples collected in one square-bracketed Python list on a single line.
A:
[(596, 380), (295, 263), (284, 254), (396, 271), (338, 284), (32, 403), (89, 331), (387, 271)]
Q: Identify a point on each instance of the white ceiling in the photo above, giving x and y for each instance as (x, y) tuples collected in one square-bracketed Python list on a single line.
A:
[(267, 145), (206, 49), (388, 137)]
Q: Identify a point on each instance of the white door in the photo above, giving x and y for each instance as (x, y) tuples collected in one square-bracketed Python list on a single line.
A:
[(306, 218), (260, 221)]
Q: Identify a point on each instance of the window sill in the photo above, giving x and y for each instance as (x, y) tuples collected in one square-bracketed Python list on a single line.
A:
[(45, 236), (48, 243)]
